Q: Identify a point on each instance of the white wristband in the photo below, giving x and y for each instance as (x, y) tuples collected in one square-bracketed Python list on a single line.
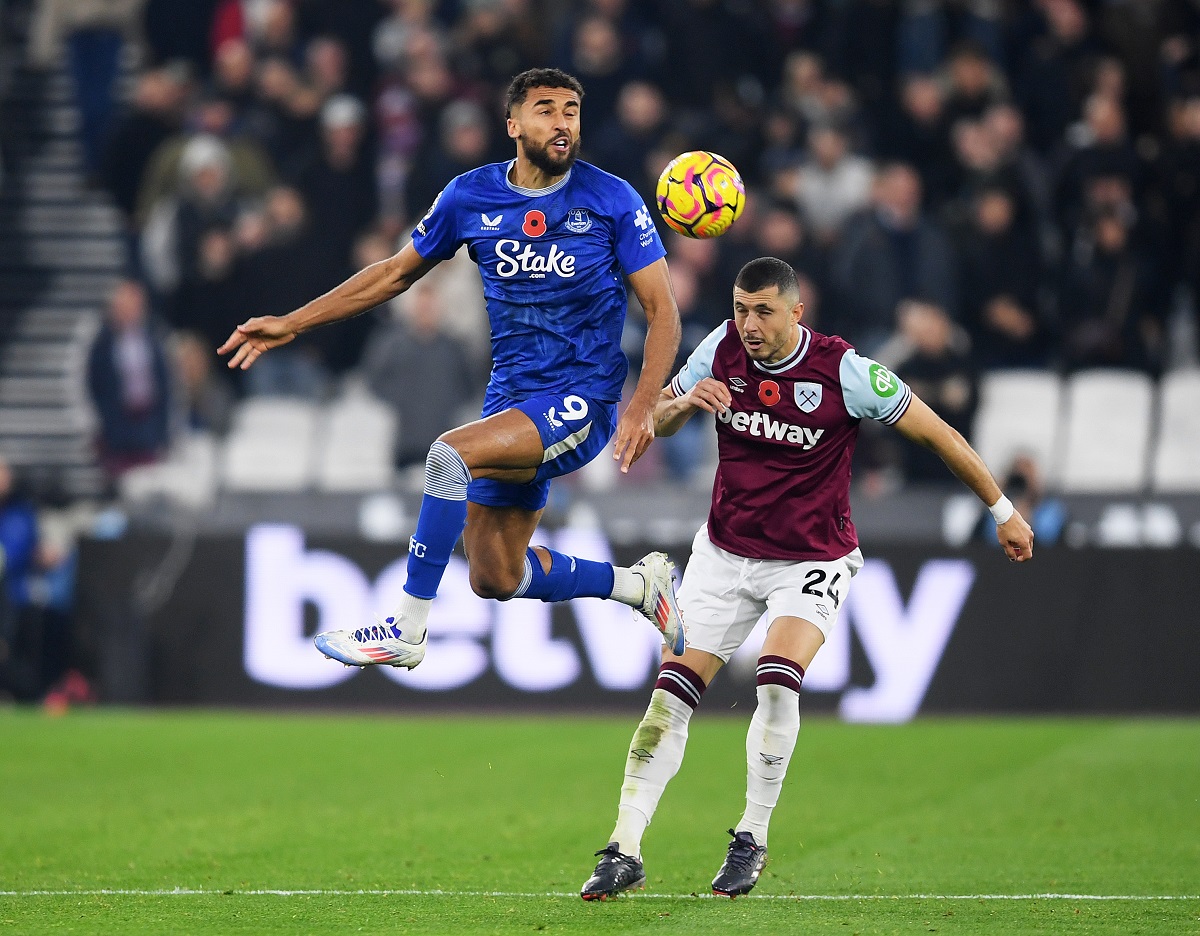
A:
[(1002, 510)]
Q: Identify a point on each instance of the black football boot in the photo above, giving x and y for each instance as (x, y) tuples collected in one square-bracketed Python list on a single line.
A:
[(614, 873), (743, 864)]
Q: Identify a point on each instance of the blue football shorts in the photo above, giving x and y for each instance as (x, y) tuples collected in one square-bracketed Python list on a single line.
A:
[(574, 430)]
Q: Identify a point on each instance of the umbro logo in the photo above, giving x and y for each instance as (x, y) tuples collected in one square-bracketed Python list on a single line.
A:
[(737, 384), (491, 224), (771, 760), (641, 754)]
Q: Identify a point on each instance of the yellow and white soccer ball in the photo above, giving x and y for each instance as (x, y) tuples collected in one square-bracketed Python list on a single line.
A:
[(700, 194)]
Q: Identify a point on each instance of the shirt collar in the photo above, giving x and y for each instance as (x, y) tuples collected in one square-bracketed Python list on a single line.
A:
[(792, 359), (534, 192)]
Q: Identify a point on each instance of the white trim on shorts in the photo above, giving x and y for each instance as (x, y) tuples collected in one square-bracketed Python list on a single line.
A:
[(723, 595)]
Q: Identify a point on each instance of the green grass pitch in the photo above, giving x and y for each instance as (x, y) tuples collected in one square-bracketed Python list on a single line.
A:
[(300, 823)]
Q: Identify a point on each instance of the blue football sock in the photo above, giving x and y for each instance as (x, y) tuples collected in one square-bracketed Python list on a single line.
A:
[(568, 578), (441, 522)]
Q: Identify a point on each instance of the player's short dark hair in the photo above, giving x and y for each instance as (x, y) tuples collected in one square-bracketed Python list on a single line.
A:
[(764, 272), (538, 78)]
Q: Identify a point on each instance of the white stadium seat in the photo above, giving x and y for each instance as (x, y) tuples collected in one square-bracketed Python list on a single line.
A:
[(1018, 414), (1176, 464), (1106, 442), (270, 447), (356, 446)]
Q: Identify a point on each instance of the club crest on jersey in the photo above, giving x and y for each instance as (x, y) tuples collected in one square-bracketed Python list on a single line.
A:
[(535, 223), (578, 220), (807, 395)]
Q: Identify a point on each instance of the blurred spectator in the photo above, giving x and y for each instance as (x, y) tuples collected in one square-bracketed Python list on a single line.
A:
[(917, 132), (702, 258), (348, 26), (1107, 316), (233, 77), (206, 397), (19, 560), (339, 187), (1099, 146), (1178, 188), (708, 43), (249, 171), (462, 143), (973, 83), (496, 39), (779, 232), (924, 32), (1054, 72), (213, 302), (156, 115), (283, 115), (833, 183), (93, 32), (598, 60), (129, 383), (205, 198), (931, 354), (999, 277), (273, 31), (888, 253), (283, 272), (629, 137), (421, 372)]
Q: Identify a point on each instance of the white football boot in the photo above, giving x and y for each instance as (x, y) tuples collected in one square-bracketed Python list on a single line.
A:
[(658, 605), (383, 643)]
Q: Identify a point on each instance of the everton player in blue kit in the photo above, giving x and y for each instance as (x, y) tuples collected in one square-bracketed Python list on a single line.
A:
[(555, 240)]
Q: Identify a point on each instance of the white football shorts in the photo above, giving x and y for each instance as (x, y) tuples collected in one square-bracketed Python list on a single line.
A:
[(723, 596)]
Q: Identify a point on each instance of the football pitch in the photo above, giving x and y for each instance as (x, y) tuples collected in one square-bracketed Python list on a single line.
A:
[(245, 822)]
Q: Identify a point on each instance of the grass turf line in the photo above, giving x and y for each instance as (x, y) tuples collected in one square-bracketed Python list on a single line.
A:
[(239, 802)]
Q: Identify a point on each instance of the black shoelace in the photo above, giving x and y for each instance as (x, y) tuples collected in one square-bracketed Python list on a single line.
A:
[(741, 854)]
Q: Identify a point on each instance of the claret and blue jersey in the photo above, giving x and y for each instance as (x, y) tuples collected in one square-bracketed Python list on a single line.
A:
[(553, 263)]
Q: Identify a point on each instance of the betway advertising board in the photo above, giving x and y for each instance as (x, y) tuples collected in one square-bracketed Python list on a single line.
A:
[(230, 620)]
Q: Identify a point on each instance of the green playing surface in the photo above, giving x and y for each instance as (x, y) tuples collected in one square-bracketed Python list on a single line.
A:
[(231, 823)]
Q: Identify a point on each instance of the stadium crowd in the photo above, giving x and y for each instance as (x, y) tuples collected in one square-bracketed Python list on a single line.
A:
[(963, 184)]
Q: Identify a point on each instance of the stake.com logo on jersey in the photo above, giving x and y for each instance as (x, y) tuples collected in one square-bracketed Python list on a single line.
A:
[(763, 426)]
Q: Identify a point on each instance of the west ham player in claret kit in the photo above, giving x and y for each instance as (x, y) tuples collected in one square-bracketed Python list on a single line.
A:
[(556, 240), (779, 539)]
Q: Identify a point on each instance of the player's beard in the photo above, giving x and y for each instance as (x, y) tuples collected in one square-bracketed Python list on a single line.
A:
[(547, 160)]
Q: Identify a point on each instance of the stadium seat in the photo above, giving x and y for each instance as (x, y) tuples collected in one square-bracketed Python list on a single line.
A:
[(1018, 414), (356, 446), (1106, 442), (1176, 463), (270, 447), (188, 477)]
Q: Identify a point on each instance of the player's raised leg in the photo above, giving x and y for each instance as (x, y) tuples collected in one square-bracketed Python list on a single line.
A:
[(503, 459), (655, 754), (789, 648)]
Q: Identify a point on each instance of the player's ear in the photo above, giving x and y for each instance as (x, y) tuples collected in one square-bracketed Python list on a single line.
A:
[(798, 311), (513, 130)]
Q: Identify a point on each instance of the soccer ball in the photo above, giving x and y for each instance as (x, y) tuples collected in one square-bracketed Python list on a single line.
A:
[(700, 194)]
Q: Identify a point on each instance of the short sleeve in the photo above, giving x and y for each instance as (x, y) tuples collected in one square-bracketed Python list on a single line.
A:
[(638, 243), (436, 235), (871, 391), (699, 363)]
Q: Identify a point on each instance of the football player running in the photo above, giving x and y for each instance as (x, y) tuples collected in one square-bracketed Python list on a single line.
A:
[(778, 540), (556, 240)]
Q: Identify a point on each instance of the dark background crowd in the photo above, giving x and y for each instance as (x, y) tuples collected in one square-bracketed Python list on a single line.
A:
[(963, 184)]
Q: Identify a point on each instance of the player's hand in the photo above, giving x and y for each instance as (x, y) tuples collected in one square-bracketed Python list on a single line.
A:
[(254, 337), (635, 432), (1016, 537), (710, 395)]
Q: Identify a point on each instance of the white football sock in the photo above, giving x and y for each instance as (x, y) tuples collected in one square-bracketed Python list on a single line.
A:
[(629, 587), (415, 612), (769, 745), (655, 754)]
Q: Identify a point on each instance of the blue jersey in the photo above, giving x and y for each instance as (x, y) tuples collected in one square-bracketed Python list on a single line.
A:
[(553, 263)]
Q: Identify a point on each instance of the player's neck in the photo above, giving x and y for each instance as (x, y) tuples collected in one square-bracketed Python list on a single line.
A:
[(525, 174)]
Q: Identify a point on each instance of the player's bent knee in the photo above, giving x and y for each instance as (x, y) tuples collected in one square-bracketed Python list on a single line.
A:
[(494, 583)]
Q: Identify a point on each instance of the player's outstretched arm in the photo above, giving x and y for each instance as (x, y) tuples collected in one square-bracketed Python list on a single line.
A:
[(635, 429), (671, 412), (921, 424), (364, 290)]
